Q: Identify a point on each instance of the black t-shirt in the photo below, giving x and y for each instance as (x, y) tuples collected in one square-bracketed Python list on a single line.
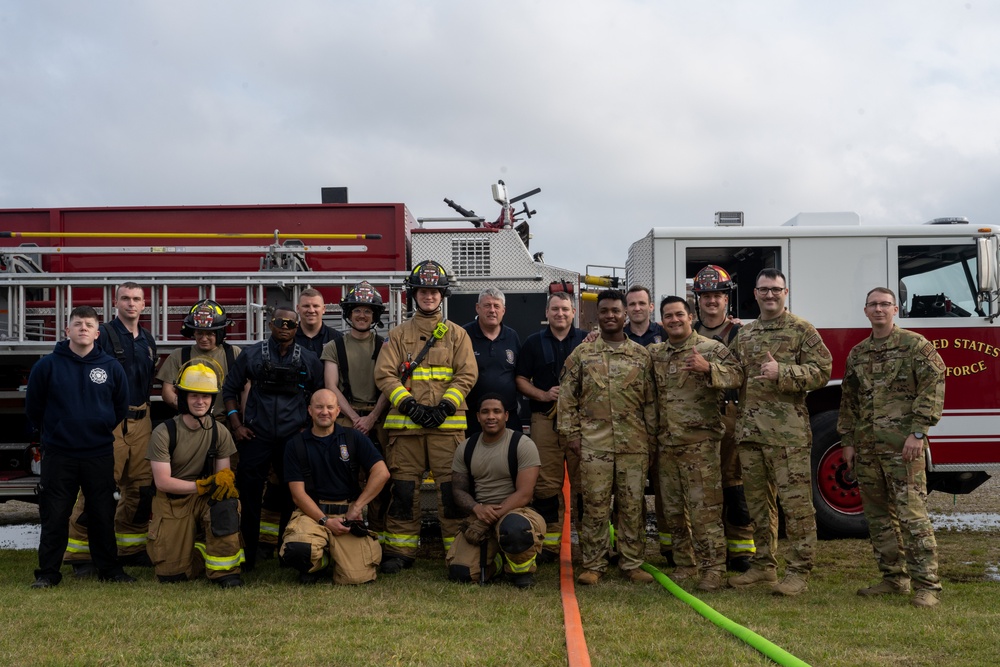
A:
[(497, 362), (330, 463), (532, 363)]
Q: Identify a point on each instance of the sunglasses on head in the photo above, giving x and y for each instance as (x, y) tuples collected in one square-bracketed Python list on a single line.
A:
[(284, 323)]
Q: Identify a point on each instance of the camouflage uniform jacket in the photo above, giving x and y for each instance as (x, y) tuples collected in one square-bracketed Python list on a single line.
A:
[(447, 372), (689, 402), (773, 412), (892, 387), (607, 398)]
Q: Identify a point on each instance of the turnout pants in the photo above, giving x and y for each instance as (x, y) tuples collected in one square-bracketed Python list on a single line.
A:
[(467, 556), (192, 534), (409, 456), (134, 478), (557, 460), (355, 559), (769, 472)]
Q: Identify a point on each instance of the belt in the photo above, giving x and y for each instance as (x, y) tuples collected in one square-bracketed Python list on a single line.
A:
[(136, 414), (334, 508)]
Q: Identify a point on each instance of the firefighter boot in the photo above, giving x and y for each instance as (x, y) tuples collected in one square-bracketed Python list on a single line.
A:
[(589, 577)]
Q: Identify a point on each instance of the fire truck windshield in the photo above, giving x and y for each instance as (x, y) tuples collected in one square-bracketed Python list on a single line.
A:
[(937, 280)]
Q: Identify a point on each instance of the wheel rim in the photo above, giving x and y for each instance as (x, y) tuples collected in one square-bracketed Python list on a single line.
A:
[(838, 488)]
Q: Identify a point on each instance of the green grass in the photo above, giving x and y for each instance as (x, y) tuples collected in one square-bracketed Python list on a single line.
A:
[(419, 618)]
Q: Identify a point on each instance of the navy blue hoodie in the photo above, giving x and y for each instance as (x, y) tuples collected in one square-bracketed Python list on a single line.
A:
[(76, 402)]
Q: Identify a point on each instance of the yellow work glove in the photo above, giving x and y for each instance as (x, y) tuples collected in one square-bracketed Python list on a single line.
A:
[(225, 482), (205, 485)]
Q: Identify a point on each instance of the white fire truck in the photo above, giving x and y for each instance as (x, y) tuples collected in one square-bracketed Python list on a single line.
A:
[(947, 277)]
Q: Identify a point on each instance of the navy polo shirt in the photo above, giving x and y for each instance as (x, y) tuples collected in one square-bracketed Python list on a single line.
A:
[(497, 362), (317, 342), (531, 363), (139, 362), (654, 334)]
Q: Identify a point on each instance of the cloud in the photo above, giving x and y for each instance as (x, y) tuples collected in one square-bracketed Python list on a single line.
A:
[(626, 114)]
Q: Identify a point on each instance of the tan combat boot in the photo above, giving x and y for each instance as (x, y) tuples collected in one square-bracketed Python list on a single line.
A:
[(710, 582), (753, 576), (589, 577), (792, 584), (683, 573), (639, 576), (886, 587), (925, 597)]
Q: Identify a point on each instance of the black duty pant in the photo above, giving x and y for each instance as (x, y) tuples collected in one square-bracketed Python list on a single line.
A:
[(257, 456), (62, 479)]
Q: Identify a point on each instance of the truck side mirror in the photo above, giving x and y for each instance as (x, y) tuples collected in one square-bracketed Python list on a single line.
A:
[(988, 269)]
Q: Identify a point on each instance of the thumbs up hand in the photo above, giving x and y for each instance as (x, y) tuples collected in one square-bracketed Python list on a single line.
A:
[(768, 369)]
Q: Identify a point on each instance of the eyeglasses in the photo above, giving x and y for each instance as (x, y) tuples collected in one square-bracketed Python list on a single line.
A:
[(884, 305), (773, 291), (284, 323)]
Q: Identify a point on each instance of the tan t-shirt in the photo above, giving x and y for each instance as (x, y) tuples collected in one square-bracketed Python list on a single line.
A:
[(172, 364), (192, 448), (489, 466), (360, 366)]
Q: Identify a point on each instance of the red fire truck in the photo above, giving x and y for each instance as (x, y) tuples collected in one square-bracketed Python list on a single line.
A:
[(947, 277), (245, 257)]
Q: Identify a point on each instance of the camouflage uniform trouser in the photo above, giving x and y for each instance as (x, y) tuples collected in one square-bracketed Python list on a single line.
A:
[(894, 495), (691, 487), (409, 456), (604, 474), (556, 459), (735, 517), (464, 553), (134, 478), (182, 539), (769, 472)]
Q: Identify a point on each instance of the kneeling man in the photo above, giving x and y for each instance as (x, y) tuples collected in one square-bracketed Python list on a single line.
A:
[(493, 478), (196, 514), (322, 467)]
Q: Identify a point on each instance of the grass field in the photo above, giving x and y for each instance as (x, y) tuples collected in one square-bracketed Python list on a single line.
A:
[(419, 618)]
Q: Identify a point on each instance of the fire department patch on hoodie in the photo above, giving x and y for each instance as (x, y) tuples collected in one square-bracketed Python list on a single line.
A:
[(98, 375)]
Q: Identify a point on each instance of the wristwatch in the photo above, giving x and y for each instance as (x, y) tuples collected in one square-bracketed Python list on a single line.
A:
[(918, 435), (322, 521)]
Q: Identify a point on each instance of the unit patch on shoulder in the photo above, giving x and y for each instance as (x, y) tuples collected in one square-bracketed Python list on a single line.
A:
[(813, 340), (723, 353)]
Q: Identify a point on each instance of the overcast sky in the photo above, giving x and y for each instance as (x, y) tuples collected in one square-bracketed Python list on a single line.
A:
[(628, 115)]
